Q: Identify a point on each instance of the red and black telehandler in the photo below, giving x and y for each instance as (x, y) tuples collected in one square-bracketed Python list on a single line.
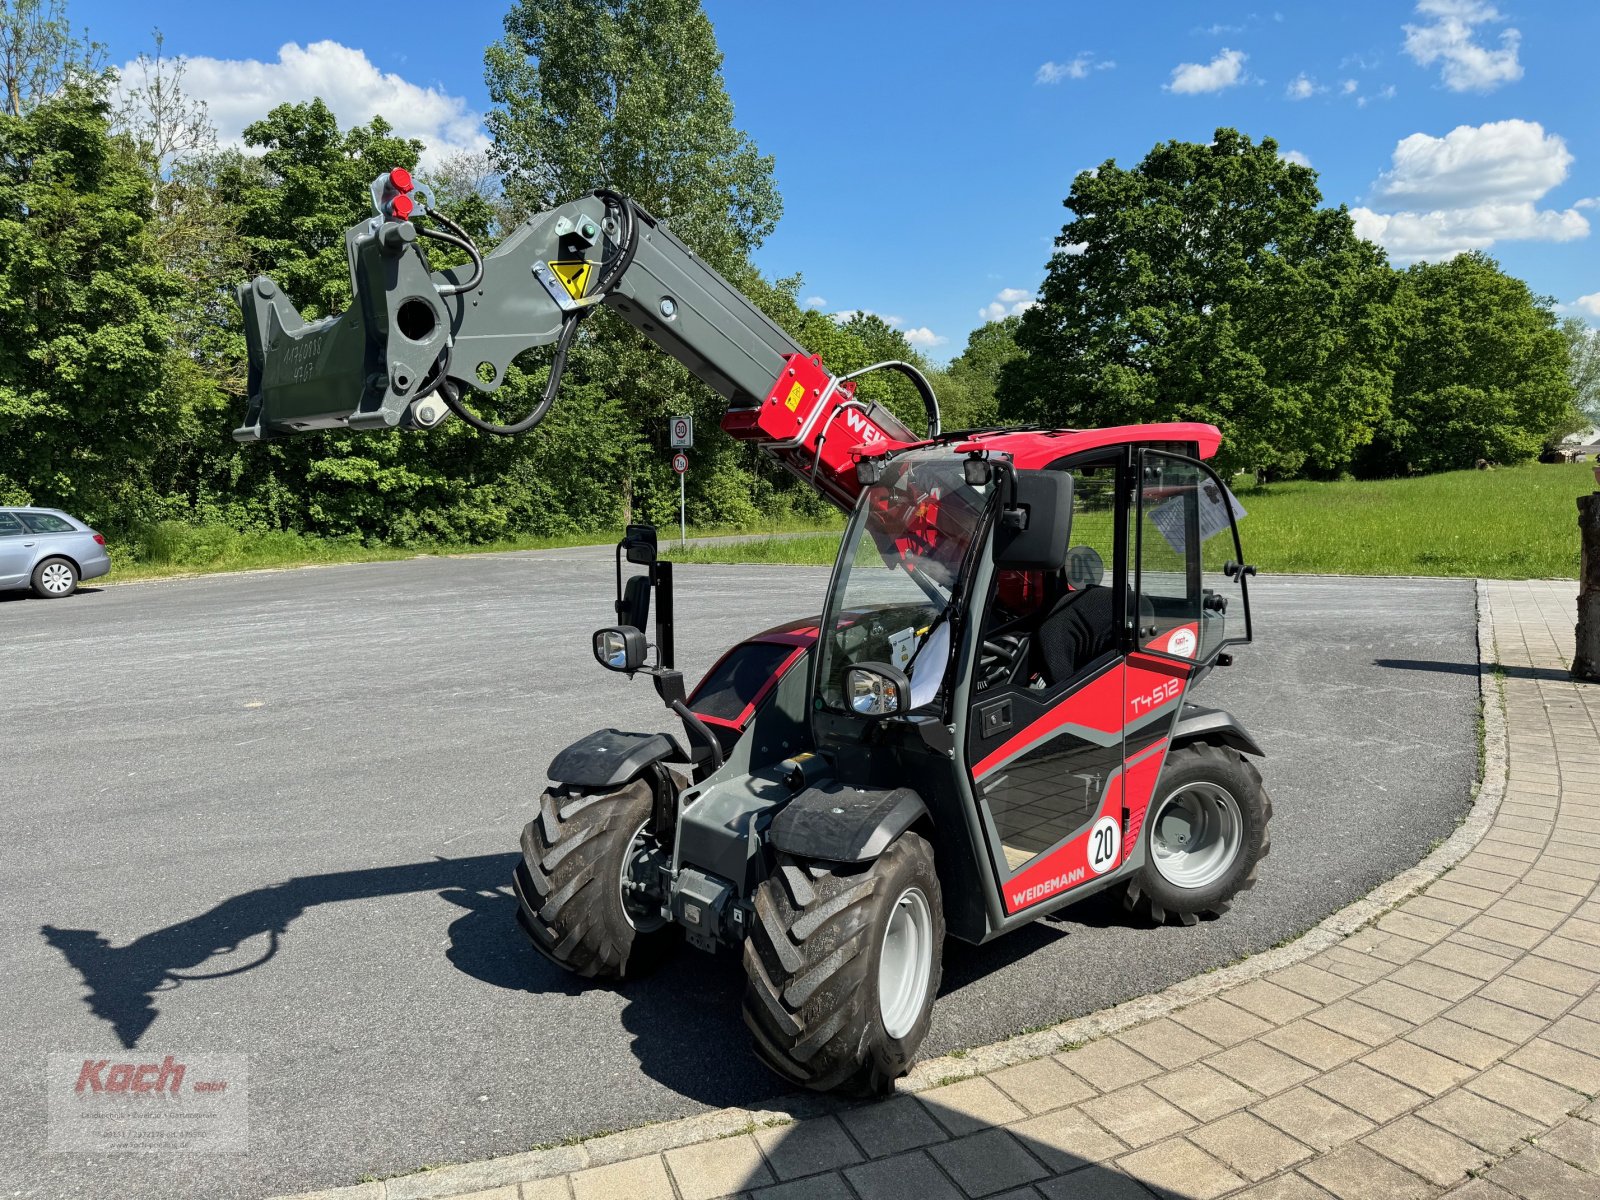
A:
[(990, 718)]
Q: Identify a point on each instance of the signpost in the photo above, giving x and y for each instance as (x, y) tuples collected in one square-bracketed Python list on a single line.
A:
[(680, 435), (680, 464)]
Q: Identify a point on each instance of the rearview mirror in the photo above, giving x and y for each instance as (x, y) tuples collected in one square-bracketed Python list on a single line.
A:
[(639, 544), (1035, 529), (877, 690), (620, 648)]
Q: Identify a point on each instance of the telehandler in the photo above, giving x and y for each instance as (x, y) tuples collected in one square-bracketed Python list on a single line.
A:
[(989, 720)]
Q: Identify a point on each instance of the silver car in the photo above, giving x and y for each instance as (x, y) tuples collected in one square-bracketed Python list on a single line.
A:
[(49, 551)]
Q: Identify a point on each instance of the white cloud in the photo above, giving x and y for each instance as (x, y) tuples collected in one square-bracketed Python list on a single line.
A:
[(1008, 302), (1444, 233), (815, 302), (1500, 161), (924, 338), (1302, 87), (1078, 68), (1295, 157), (1223, 71), (239, 91), (1477, 185), (1448, 38), (1587, 202), (1348, 87), (1386, 94), (1589, 304)]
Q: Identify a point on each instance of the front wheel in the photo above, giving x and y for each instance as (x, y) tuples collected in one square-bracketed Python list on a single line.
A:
[(583, 885), (55, 579), (1206, 832), (843, 964)]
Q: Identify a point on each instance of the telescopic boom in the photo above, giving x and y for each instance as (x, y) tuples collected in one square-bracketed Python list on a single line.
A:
[(414, 341)]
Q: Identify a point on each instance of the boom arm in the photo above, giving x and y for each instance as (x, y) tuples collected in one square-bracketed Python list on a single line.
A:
[(414, 339)]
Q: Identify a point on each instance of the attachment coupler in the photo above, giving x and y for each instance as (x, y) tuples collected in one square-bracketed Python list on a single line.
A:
[(377, 365)]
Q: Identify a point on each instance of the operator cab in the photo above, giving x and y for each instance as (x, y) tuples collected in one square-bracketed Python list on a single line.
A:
[(1050, 670)]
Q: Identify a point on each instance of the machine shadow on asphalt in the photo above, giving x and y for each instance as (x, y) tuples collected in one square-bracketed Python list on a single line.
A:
[(124, 980)]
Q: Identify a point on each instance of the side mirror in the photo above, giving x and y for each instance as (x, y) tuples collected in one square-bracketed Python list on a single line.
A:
[(620, 648), (877, 690), (639, 544)]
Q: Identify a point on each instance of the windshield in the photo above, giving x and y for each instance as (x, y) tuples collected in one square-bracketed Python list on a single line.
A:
[(904, 550)]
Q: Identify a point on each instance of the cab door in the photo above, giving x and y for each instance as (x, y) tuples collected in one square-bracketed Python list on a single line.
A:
[(1044, 742), (1192, 603)]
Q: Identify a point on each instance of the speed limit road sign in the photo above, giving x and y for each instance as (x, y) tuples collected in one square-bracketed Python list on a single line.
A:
[(682, 431), (680, 462)]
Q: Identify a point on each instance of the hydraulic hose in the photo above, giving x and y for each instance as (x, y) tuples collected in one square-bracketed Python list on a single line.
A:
[(558, 365), (627, 239), (930, 402), (459, 238)]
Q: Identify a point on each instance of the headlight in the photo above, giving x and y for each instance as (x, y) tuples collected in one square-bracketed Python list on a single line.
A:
[(874, 693)]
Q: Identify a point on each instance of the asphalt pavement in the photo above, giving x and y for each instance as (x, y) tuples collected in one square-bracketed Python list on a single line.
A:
[(274, 814)]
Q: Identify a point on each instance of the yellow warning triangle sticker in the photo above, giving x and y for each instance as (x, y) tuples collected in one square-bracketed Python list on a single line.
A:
[(574, 276)]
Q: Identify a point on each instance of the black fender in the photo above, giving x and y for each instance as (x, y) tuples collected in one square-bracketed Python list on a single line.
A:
[(1196, 724), (610, 758), (844, 824)]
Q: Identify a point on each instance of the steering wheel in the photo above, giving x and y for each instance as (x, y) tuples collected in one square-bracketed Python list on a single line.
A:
[(998, 658)]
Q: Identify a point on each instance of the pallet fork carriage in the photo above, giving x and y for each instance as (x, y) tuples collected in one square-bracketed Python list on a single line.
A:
[(990, 718)]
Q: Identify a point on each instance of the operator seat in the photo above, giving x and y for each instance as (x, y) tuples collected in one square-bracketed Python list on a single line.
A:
[(1078, 629)]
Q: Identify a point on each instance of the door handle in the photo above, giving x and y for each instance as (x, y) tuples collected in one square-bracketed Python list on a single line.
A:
[(27, 543)]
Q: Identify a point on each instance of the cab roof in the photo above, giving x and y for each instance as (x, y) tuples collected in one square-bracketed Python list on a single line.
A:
[(1031, 449)]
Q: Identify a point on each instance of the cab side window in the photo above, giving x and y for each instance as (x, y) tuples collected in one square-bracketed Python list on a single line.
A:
[(9, 525)]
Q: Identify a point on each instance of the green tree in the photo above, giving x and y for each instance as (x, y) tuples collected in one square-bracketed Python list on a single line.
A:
[(1207, 284), (972, 379), (1482, 372), (39, 55), (628, 94), (1583, 366), (84, 324)]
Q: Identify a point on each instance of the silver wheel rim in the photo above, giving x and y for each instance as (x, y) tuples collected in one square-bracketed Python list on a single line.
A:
[(641, 914), (905, 962), (56, 578), (1196, 835)]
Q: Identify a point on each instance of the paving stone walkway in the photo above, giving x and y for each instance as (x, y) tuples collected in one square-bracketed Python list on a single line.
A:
[(1452, 1047)]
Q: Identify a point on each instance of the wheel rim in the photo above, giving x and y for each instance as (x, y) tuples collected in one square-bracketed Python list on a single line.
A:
[(1196, 835), (637, 908), (905, 962), (56, 578)]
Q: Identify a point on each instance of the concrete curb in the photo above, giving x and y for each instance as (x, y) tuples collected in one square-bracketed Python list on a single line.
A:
[(654, 1139)]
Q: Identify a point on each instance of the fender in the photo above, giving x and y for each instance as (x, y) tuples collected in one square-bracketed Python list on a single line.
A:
[(844, 824), (610, 758), (1196, 724)]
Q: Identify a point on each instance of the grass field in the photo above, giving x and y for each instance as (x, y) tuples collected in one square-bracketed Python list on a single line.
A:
[(172, 548), (1509, 523)]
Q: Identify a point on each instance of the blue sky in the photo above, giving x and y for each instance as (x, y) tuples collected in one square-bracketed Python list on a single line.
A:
[(923, 149)]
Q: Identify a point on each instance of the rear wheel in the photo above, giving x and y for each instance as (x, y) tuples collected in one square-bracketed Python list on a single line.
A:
[(582, 885), (54, 579), (843, 965), (1206, 832)]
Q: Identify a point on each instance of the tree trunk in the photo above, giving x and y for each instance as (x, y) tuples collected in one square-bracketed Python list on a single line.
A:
[(1586, 663)]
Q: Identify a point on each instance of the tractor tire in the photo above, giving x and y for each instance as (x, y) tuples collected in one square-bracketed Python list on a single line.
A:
[(1206, 832), (815, 965), (570, 898)]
